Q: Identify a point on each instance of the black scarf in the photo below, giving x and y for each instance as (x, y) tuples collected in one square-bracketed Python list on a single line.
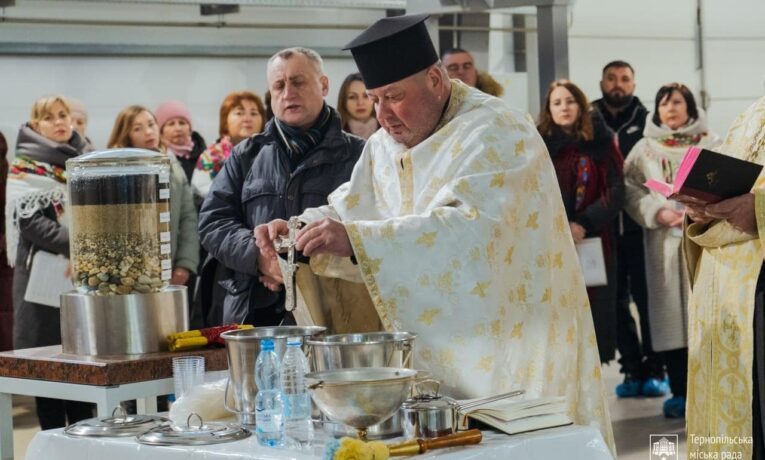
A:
[(298, 143)]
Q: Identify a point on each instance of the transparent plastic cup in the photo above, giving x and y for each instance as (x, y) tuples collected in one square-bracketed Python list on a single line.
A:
[(188, 372)]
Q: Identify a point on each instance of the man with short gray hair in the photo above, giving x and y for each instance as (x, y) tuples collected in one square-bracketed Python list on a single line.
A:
[(301, 157)]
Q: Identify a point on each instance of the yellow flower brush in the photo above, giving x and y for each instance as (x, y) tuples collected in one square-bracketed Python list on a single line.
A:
[(355, 449)]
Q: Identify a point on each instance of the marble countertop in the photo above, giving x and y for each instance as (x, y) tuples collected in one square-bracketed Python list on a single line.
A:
[(49, 363)]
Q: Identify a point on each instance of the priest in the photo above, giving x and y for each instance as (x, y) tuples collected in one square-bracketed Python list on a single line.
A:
[(724, 251), (453, 221)]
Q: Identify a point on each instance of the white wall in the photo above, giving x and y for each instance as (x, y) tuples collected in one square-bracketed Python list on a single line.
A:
[(106, 84), (658, 38)]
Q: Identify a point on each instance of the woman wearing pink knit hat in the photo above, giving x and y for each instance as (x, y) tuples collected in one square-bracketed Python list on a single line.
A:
[(178, 135)]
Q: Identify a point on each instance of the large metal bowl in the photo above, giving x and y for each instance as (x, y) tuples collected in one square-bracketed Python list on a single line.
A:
[(361, 397), (368, 349)]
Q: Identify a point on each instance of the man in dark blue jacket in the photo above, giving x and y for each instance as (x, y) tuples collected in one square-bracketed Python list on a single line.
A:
[(300, 158), (643, 369)]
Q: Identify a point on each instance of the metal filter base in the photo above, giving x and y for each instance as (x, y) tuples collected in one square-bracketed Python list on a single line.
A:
[(122, 324)]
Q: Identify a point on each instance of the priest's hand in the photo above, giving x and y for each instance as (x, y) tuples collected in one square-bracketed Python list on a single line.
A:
[(697, 214), (738, 211), (578, 232), (669, 217), (325, 236), (266, 234)]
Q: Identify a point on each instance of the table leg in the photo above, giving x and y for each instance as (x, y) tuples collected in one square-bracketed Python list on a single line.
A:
[(147, 405), (6, 426), (106, 401)]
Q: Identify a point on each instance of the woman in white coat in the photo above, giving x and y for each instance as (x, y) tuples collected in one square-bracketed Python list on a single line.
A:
[(675, 125)]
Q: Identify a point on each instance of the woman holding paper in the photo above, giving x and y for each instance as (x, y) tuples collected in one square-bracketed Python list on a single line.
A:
[(36, 224), (675, 125), (588, 165)]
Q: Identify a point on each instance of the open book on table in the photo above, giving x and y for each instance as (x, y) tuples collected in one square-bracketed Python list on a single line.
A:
[(514, 417), (709, 176)]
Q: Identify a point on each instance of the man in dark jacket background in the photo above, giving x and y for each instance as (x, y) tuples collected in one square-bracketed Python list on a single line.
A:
[(300, 158), (642, 368)]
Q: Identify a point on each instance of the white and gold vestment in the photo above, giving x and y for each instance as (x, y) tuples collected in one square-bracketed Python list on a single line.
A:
[(463, 239)]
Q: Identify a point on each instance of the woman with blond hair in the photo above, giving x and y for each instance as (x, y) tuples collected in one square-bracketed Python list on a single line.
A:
[(588, 165), (242, 115), (136, 127), (36, 223)]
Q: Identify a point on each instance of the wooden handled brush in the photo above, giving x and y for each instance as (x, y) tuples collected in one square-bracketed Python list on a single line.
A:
[(348, 448)]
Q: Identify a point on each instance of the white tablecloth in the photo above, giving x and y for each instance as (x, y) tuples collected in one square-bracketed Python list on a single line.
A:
[(570, 443)]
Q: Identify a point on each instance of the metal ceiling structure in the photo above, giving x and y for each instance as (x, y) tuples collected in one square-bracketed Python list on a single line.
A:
[(552, 29), (552, 20), (356, 4)]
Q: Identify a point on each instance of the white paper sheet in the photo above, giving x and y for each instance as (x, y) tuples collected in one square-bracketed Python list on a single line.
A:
[(47, 279), (590, 252)]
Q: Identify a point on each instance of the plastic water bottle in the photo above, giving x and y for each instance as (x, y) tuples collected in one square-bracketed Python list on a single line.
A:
[(297, 400), (269, 425)]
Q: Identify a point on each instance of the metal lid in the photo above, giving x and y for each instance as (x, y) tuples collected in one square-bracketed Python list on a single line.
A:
[(271, 332), (428, 400), (118, 154), (193, 435), (366, 338), (116, 425)]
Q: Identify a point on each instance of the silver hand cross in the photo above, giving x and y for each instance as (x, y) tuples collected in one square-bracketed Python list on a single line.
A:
[(288, 243)]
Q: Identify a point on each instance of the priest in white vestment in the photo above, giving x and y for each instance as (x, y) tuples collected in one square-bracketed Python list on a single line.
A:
[(453, 221)]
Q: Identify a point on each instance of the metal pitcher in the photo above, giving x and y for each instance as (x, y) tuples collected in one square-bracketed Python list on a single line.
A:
[(243, 347)]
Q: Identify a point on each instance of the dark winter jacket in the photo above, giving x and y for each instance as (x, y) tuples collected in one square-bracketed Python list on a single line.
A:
[(6, 272), (257, 185), (38, 325), (595, 206), (608, 162), (628, 125)]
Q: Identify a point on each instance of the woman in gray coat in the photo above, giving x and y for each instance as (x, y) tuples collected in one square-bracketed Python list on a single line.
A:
[(42, 148), (137, 127)]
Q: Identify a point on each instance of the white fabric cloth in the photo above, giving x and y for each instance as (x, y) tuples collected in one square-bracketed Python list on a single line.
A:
[(463, 240), (27, 194), (570, 443)]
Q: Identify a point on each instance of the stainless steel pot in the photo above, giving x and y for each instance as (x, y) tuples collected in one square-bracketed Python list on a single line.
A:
[(243, 347), (430, 415), (372, 349)]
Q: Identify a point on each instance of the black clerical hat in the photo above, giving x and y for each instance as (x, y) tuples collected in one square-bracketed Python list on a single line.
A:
[(392, 49)]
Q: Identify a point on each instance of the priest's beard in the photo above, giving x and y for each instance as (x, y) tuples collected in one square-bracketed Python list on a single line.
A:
[(618, 101)]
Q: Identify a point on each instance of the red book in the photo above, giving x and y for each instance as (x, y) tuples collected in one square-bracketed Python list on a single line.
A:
[(709, 176)]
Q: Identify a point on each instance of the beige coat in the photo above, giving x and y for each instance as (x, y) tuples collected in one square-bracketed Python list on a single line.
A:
[(667, 279)]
